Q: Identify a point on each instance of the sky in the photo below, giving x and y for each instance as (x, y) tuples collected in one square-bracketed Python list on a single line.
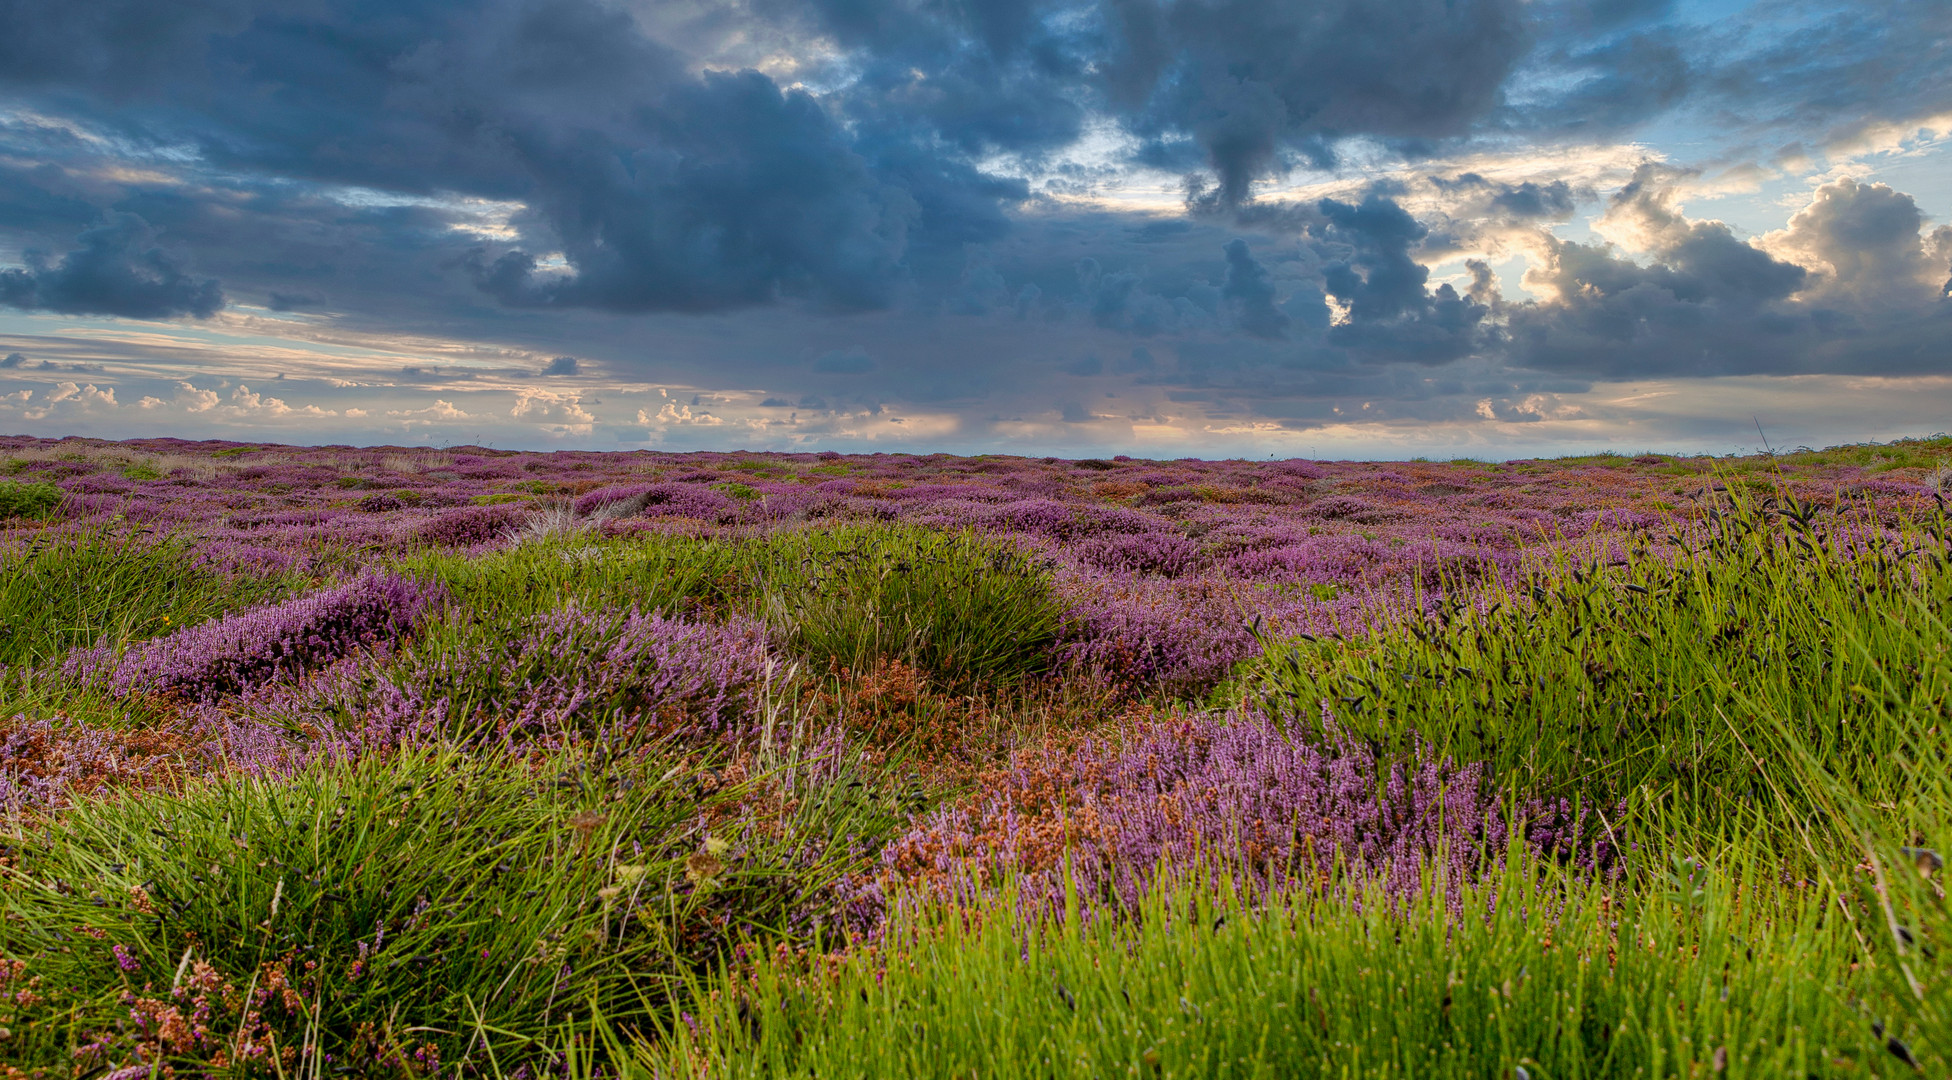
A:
[(1164, 228)]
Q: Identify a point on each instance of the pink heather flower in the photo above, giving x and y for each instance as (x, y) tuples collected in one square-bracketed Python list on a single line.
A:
[(126, 961)]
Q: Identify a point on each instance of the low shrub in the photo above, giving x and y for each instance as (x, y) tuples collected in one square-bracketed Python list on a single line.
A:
[(564, 673), (470, 526), (239, 652), (35, 501), (1227, 794)]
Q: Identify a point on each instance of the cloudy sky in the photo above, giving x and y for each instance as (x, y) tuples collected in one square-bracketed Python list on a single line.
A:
[(1324, 228)]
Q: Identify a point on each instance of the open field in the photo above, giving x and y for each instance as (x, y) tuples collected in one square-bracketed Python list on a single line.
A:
[(396, 762)]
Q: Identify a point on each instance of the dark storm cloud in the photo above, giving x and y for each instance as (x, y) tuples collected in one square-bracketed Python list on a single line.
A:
[(854, 361), (670, 191), (286, 301), (1256, 82), (118, 269), (13, 360), (121, 46), (332, 156), (1772, 71), (1251, 293), (1376, 275), (1238, 86), (664, 190), (1607, 86), (1850, 287), (1830, 71), (747, 195)]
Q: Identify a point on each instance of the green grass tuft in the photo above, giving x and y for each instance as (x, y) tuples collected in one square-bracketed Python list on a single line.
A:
[(971, 612), (83, 590), (35, 502), (676, 575), (1643, 683), (468, 902), (1686, 979)]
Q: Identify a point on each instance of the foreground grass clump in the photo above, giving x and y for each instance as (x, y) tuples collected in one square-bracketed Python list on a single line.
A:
[(89, 589), (972, 612), (395, 913), (1714, 971), (1645, 683)]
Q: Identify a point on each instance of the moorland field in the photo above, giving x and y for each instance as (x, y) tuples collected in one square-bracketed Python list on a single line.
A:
[(473, 763)]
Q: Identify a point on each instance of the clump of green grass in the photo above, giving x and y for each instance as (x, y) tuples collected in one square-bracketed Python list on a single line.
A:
[(1644, 682), (971, 612), (81, 590), (35, 501), (1890, 869), (673, 574), (461, 907), (968, 611), (1713, 970)]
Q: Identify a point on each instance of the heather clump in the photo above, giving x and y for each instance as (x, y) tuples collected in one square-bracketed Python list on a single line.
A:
[(239, 652), (1235, 796), (46, 762), (470, 526), (578, 669), (1164, 554), (1151, 636)]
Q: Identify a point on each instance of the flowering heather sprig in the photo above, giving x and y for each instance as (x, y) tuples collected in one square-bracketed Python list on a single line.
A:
[(1162, 553), (233, 654), (470, 526), (572, 671), (1229, 792), (1150, 633), (580, 664)]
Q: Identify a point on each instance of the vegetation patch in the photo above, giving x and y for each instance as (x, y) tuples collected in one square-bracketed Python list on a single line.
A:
[(36, 501)]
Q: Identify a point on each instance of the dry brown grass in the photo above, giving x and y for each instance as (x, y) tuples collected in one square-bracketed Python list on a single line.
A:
[(110, 456)]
